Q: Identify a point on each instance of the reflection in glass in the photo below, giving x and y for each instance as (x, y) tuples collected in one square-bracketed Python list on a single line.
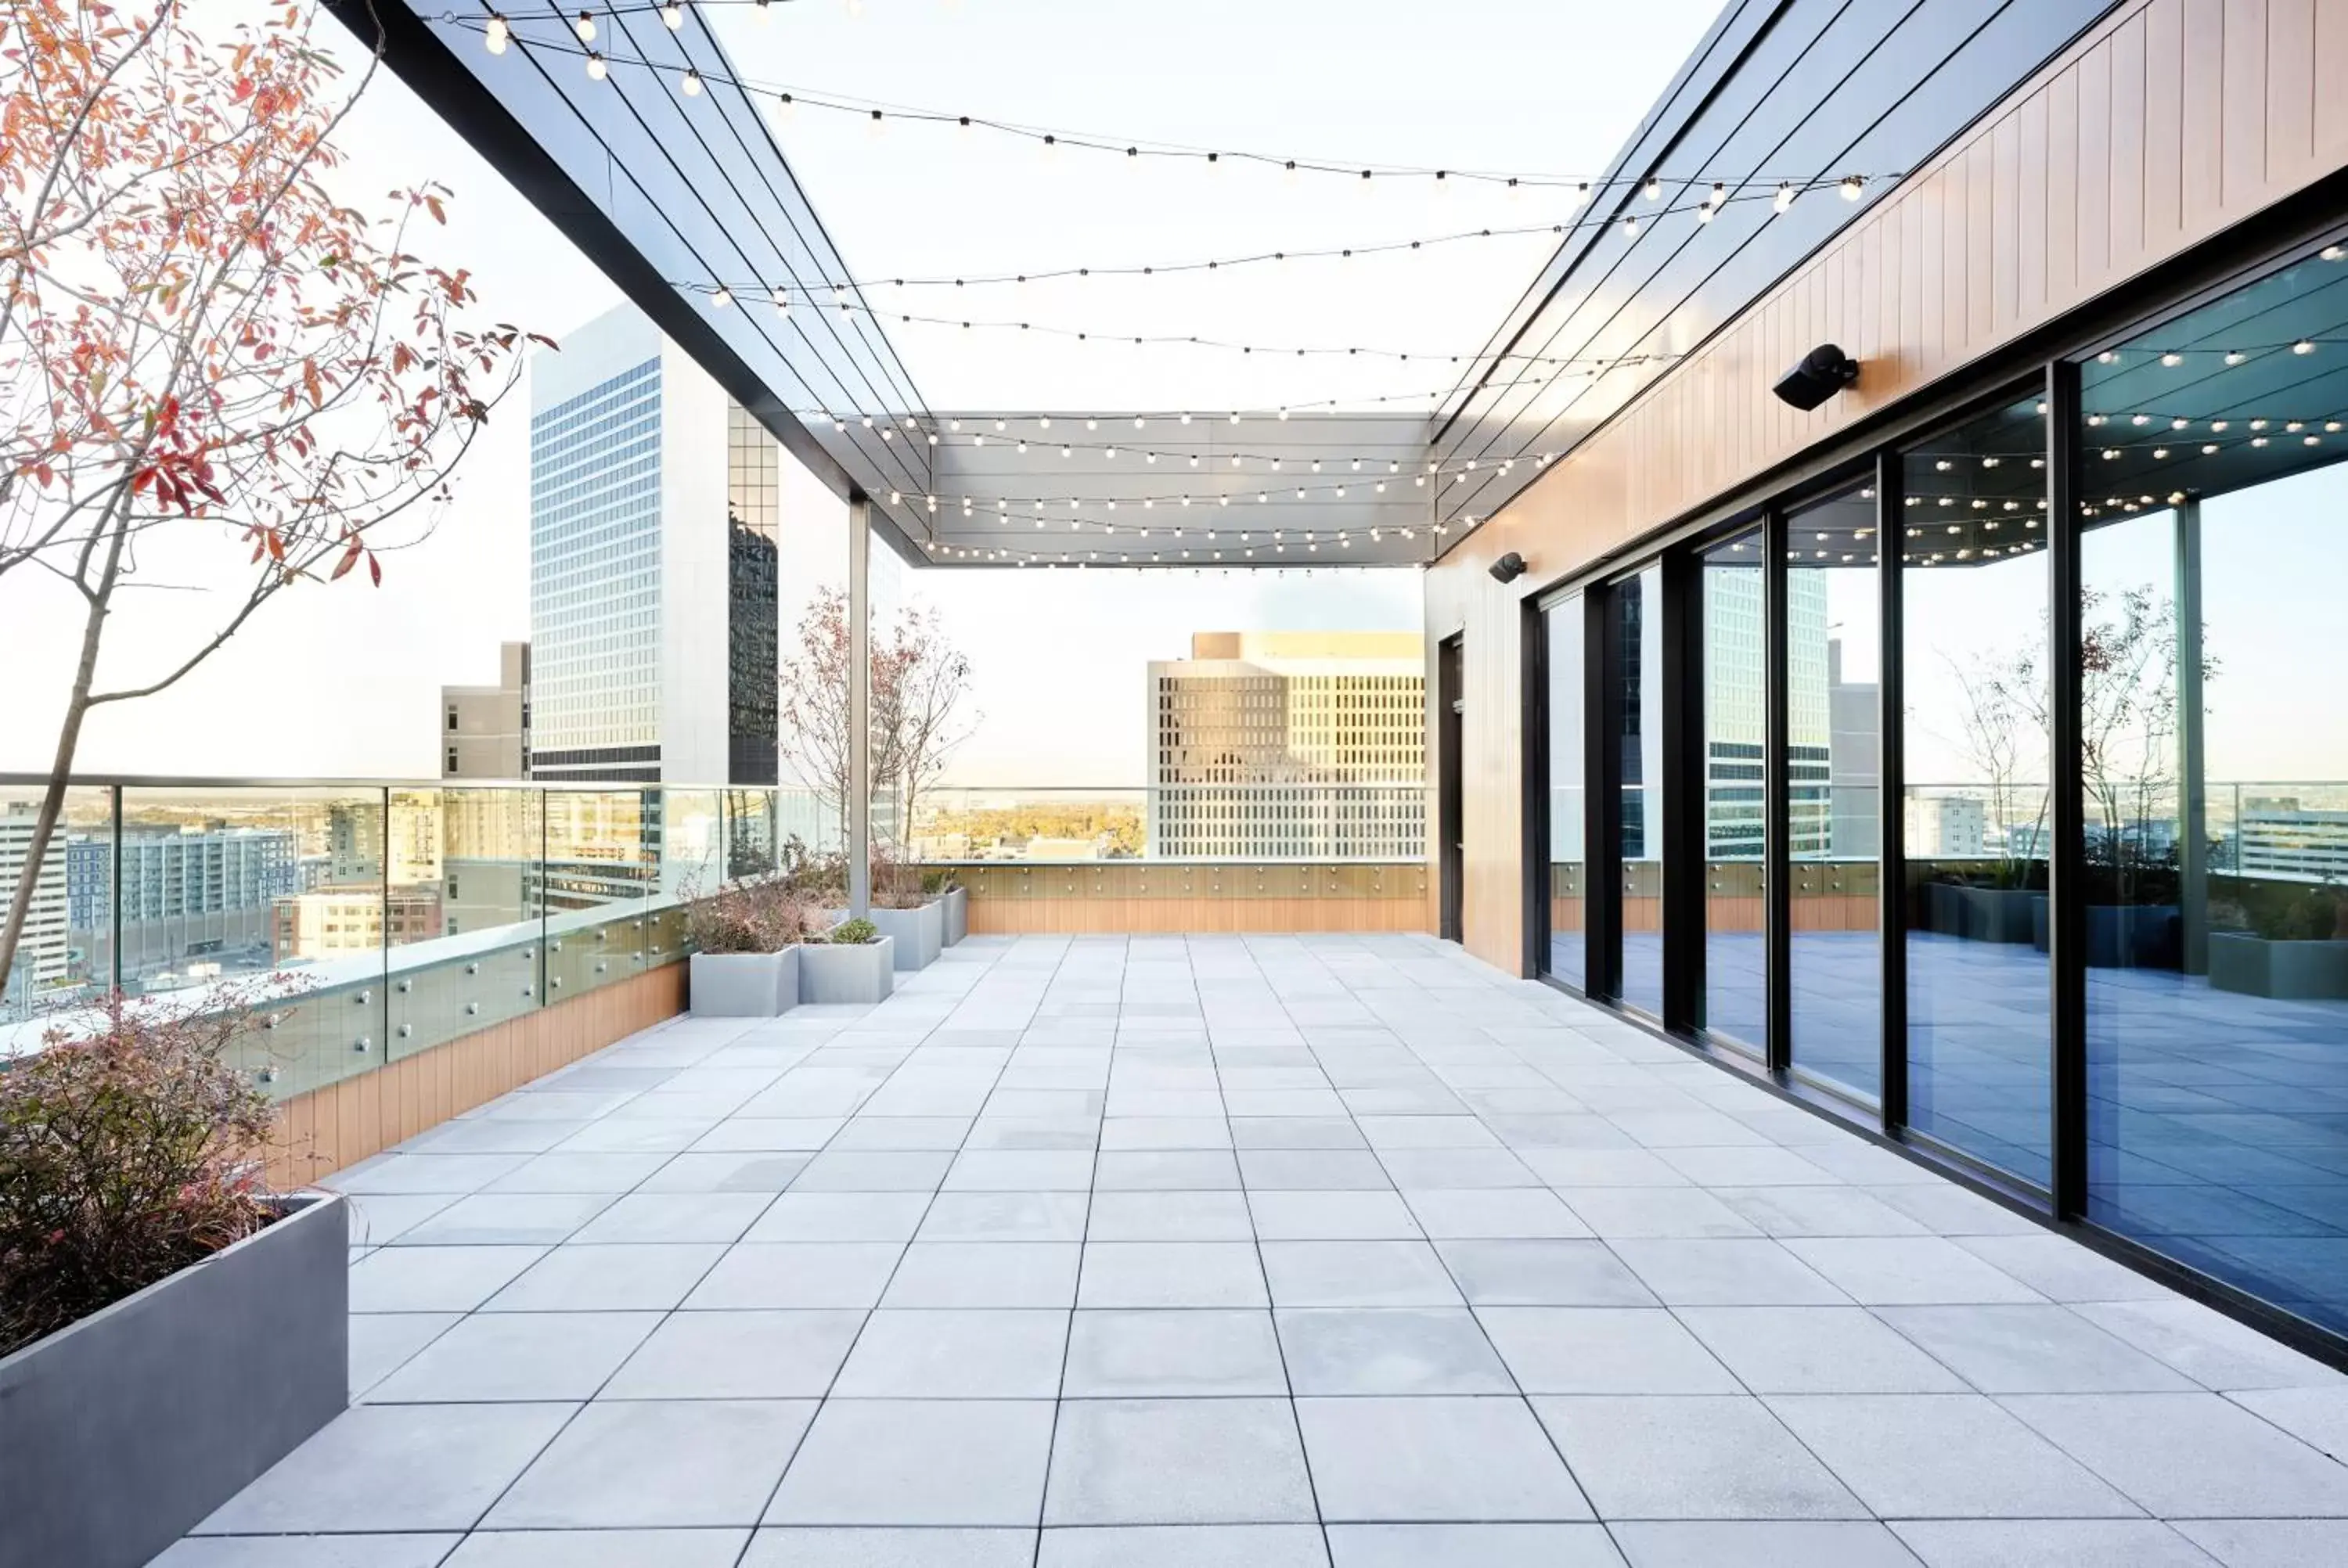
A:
[(65, 955), (1563, 627), (1833, 621), (1639, 668), (1974, 674), (1735, 731), (2215, 763)]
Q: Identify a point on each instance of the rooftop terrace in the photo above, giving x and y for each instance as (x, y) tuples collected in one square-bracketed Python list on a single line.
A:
[(1247, 1250)]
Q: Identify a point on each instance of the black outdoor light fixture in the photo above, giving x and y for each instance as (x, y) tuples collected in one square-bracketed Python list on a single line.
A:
[(1509, 567), (1823, 372)]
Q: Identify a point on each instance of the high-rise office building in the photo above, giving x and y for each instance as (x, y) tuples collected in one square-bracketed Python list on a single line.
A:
[(2283, 837), (193, 891), (44, 954), (653, 567), (1736, 717), (485, 730), (1283, 744)]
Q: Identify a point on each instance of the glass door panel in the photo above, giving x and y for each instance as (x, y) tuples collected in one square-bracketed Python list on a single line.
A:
[(1564, 627), (1833, 625), (1735, 730), (1638, 675)]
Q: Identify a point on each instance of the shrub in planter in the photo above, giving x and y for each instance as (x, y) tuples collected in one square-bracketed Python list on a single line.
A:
[(851, 963), (125, 1156), (745, 937), (167, 1329)]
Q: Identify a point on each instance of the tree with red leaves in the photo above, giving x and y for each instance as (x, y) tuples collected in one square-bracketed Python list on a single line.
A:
[(200, 345)]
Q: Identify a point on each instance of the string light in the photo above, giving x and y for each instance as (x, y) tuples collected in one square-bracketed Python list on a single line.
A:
[(595, 69), (497, 35), (692, 83), (1134, 149)]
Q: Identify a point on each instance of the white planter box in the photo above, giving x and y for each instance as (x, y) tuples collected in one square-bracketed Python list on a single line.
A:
[(843, 972), (956, 904), (743, 985), (919, 934)]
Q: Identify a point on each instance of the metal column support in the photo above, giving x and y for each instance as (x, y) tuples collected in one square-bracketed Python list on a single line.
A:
[(1601, 710), (2066, 854), (1891, 786), (2192, 780), (859, 706), (1679, 816), (1776, 794)]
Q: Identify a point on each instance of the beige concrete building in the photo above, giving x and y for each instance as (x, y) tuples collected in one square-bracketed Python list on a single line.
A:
[(1289, 745), (485, 730)]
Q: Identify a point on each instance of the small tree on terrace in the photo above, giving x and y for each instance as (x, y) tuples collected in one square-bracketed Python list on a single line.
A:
[(919, 681), (202, 350)]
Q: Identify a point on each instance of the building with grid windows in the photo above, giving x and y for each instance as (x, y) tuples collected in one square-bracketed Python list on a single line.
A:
[(652, 565), (1272, 744)]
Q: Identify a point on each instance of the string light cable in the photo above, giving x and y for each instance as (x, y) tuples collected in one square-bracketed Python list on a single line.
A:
[(555, 34)]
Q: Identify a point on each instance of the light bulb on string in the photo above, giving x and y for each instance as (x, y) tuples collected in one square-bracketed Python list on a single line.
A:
[(1785, 195), (1852, 187), (497, 35), (596, 70), (1654, 189), (692, 83), (673, 13), (585, 27)]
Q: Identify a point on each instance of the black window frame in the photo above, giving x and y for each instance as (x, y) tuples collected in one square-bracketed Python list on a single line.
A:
[(2047, 360)]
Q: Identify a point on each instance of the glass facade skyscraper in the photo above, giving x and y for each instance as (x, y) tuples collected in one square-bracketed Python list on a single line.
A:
[(655, 570)]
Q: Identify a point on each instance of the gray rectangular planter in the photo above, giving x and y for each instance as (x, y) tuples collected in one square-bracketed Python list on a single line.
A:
[(743, 985), (843, 972), (956, 904), (920, 933), (2290, 971), (131, 1427)]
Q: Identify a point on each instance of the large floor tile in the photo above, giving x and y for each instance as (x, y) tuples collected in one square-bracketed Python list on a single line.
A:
[(957, 1354), (1172, 1274), (865, 1546), (2189, 1455), (1760, 1543), (1602, 1350), (658, 1464), (600, 1549), (2049, 1543), (395, 1468), (518, 1356), (1485, 1545), (918, 1462), (645, 1278), (1357, 1274), (1945, 1456), (2025, 1349), (1446, 1459), (738, 1356), (1172, 1353), (1183, 1546), (1176, 1461), (1717, 1457), (1816, 1350), (1389, 1350)]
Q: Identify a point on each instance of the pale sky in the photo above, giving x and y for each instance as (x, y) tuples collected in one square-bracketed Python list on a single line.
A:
[(344, 680)]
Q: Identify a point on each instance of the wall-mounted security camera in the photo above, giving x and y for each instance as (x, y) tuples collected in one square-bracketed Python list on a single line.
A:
[(1823, 372), (1509, 567)]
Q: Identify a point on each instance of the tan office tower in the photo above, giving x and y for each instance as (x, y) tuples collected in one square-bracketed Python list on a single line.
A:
[(485, 730), (1290, 745)]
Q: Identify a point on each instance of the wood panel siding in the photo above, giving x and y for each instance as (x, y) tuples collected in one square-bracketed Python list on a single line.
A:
[(1141, 897), (328, 1129), (2167, 123)]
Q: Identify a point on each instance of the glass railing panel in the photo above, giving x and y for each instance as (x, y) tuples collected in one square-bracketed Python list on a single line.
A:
[(602, 878), (465, 917), (1189, 821), (265, 896), (65, 958)]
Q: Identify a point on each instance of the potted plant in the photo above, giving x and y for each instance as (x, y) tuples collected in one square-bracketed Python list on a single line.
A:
[(168, 1327), (2295, 949), (746, 939), (953, 900), (908, 911), (852, 962)]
